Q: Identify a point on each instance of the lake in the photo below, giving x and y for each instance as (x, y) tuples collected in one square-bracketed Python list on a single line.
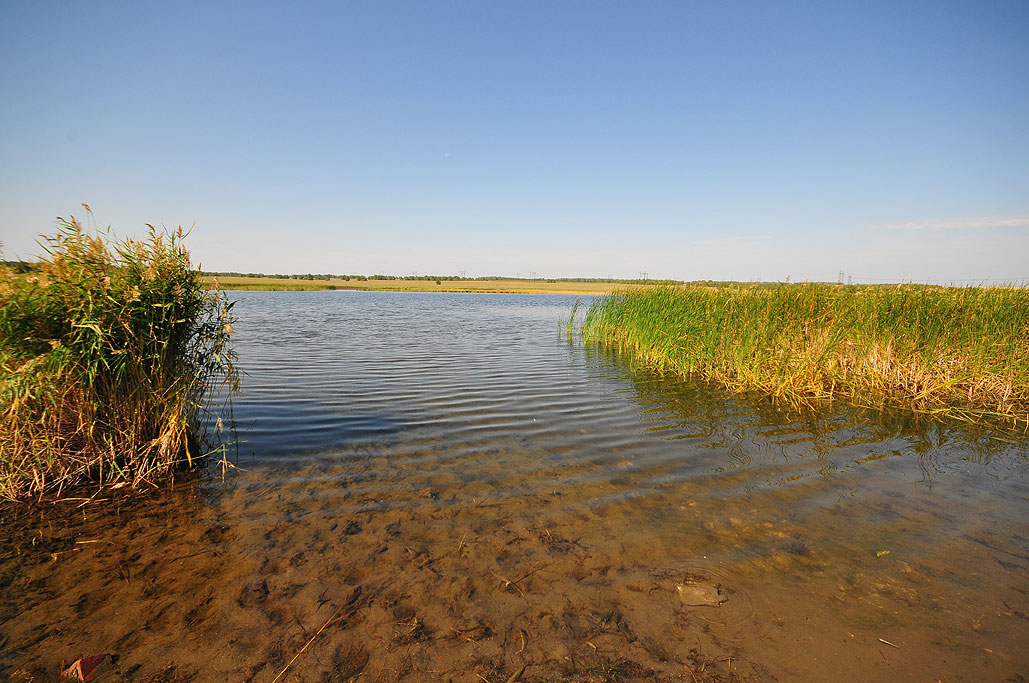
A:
[(442, 487)]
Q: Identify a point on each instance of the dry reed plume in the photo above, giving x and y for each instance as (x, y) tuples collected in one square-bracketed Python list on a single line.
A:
[(107, 357)]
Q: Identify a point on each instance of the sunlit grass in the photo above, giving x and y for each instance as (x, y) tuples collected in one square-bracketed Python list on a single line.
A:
[(952, 351), (106, 359)]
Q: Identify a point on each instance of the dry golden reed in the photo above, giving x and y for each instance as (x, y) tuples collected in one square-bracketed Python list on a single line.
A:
[(108, 355)]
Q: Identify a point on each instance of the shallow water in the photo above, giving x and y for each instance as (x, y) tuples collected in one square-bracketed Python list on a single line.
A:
[(436, 487)]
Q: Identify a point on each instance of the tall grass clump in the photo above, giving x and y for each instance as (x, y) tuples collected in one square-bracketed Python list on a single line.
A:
[(952, 351), (107, 357)]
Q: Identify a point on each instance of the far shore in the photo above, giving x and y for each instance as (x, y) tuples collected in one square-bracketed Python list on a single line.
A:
[(374, 285)]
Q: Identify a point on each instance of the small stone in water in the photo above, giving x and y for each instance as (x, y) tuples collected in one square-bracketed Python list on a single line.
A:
[(700, 595)]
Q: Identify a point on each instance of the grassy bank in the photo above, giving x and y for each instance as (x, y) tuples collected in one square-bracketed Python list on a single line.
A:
[(107, 354), (401, 285), (956, 352)]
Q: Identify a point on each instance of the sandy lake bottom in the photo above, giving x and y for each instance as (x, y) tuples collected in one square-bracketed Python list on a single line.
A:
[(441, 487)]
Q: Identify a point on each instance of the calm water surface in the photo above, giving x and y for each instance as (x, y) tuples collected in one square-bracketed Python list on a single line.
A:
[(441, 487)]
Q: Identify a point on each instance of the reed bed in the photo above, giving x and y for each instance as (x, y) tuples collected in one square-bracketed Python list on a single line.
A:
[(107, 359), (960, 352)]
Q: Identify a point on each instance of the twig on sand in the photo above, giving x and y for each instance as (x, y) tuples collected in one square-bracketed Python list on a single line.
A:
[(311, 640), (508, 583), (336, 616), (516, 674), (525, 637)]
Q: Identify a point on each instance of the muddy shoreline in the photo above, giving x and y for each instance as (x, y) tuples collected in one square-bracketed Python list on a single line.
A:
[(437, 582)]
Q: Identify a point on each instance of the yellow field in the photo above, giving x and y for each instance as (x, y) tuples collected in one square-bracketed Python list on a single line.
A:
[(481, 286)]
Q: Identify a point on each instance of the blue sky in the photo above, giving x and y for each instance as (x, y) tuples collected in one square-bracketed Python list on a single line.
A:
[(729, 140)]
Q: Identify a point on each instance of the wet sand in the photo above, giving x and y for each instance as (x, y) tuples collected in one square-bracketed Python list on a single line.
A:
[(421, 570)]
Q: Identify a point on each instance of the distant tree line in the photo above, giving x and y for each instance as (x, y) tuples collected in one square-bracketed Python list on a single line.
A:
[(20, 266)]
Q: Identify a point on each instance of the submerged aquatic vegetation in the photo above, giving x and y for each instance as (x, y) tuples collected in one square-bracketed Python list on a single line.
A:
[(950, 351), (107, 358)]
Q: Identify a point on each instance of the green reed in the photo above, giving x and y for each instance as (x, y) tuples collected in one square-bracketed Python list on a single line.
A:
[(954, 351), (107, 360)]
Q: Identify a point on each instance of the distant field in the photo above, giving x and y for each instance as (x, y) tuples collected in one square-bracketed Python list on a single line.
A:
[(481, 286)]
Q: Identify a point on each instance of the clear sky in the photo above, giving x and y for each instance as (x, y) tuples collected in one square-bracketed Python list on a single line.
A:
[(689, 140)]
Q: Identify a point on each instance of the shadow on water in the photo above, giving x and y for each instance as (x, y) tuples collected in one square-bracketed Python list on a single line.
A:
[(516, 508), (279, 438)]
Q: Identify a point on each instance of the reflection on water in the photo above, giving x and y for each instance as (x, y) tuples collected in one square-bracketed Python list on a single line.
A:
[(453, 491)]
